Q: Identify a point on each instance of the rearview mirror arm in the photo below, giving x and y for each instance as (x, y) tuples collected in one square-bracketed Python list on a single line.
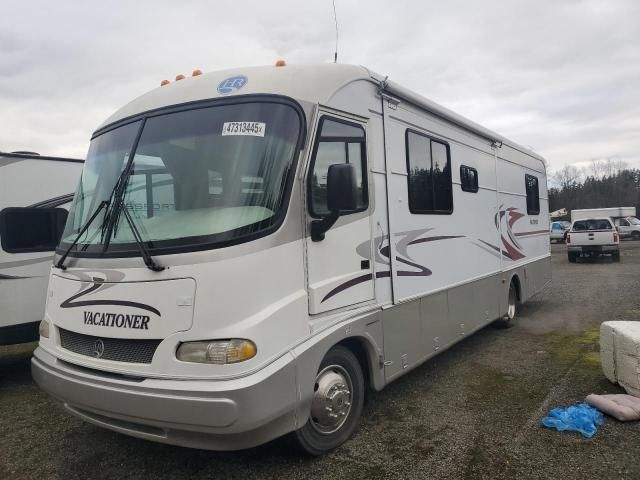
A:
[(320, 227)]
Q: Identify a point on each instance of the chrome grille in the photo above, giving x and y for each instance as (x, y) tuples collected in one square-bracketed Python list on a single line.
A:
[(116, 349)]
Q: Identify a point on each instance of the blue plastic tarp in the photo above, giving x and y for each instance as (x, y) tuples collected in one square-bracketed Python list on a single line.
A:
[(581, 418)]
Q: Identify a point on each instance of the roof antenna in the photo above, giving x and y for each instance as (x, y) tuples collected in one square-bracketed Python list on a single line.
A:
[(335, 18)]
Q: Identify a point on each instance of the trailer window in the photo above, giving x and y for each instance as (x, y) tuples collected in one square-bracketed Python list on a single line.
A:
[(468, 179), (338, 142), (31, 229), (533, 194), (429, 175)]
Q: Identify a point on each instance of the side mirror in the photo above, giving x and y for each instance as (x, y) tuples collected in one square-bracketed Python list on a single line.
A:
[(30, 229), (342, 191), (342, 196)]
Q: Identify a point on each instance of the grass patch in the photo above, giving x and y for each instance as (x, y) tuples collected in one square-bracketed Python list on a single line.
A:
[(581, 349)]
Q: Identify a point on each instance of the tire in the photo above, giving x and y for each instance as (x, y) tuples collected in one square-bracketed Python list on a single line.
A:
[(508, 319), (340, 373), (635, 235), (615, 256), (572, 257)]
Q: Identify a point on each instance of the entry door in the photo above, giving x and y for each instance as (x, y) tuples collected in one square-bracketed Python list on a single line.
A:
[(339, 269)]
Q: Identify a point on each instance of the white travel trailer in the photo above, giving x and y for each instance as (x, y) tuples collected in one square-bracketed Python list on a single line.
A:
[(35, 192), (248, 250)]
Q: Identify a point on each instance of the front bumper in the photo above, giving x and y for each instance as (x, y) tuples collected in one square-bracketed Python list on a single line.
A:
[(593, 248), (210, 414)]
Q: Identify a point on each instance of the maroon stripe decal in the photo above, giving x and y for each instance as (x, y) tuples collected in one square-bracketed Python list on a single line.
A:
[(532, 232)]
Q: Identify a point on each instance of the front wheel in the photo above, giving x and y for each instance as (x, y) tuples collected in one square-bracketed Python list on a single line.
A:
[(337, 402), (512, 307)]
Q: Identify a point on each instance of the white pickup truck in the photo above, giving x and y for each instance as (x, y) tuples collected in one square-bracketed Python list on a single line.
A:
[(593, 236)]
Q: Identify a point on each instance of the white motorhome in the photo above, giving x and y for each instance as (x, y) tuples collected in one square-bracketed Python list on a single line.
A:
[(35, 192), (248, 250)]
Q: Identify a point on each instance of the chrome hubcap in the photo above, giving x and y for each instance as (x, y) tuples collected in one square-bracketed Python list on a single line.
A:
[(332, 399)]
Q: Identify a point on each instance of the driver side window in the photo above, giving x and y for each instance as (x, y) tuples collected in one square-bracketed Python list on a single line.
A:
[(338, 142)]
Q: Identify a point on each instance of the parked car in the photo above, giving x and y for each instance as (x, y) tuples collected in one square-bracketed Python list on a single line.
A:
[(628, 227), (593, 236), (558, 231)]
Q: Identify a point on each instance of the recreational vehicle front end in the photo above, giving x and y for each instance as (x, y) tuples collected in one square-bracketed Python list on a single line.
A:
[(249, 250)]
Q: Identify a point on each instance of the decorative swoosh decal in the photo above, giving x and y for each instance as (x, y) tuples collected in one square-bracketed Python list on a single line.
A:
[(11, 277), (406, 239), (70, 302), (23, 263)]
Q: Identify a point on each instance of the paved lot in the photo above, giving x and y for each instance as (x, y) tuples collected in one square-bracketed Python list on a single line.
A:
[(473, 412)]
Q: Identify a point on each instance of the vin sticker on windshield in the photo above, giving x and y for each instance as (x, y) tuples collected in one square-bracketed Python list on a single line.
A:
[(255, 129)]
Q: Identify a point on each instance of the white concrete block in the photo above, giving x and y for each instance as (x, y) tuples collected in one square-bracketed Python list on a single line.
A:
[(620, 354)]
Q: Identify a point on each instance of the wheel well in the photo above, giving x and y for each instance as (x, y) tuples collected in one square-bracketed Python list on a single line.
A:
[(359, 349), (516, 282)]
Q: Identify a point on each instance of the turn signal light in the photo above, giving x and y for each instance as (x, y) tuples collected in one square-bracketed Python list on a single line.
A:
[(281, 63), (43, 329), (196, 72), (179, 77), (217, 352), (164, 82)]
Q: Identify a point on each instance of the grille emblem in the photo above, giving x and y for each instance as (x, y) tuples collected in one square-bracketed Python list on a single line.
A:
[(98, 348)]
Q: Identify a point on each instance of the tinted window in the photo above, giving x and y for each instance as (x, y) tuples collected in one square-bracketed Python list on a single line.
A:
[(338, 142), (468, 179), (429, 175), (584, 225), (31, 229), (533, 194)]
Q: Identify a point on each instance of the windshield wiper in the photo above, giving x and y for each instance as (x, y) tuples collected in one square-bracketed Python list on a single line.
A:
[(112, 219), (146, 256), (60, 263)]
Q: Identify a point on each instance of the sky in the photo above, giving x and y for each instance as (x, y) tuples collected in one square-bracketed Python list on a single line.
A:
[(561, 77)]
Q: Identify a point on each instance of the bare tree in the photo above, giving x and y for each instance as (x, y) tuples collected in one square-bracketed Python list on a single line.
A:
[(568, 177), (613, 166), (596, 168)]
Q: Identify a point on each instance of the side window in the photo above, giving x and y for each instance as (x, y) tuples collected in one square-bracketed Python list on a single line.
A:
[(30, 229), (429, 175), (623, 223), (468, 179), (533, 194), (338, 142)]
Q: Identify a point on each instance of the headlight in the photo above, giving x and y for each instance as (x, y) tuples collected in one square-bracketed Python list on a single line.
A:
[(218, 352), (43, 329)]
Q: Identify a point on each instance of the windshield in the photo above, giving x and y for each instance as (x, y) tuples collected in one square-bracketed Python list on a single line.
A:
[(204, 175), (633, 221), (599, 224)]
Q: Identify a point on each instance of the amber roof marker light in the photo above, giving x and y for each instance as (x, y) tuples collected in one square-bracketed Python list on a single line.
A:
[(164, 82), (180, 77), (196, 73), (281, 63)]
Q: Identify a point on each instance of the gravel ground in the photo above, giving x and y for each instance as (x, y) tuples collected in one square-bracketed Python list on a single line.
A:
[(472, 412)]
